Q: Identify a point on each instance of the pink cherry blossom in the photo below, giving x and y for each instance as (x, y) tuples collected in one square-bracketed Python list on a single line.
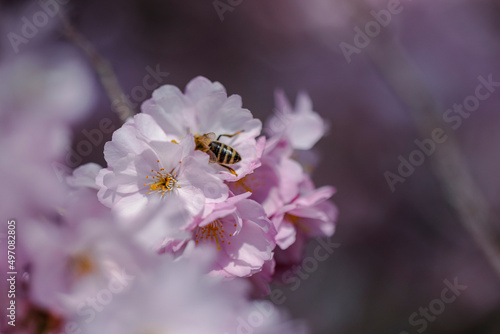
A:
[(145, 167), (148, 229), (263, 184), (179, 234), (56, 86), (29, 184), (261, 280), (298, 210), (84, 176), (162, 220), (39, 98), (173, 297), (81, 187), (240, 232), (177, 297), (301, 127), (71, 257), (275, 183), (204, 108), (309, 215)]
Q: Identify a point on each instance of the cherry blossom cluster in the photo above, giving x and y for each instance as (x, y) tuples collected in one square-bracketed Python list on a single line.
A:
[(174, 235), (264, 203)]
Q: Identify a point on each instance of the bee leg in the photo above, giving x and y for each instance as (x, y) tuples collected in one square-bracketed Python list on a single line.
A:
[(229, 169), (234, 134)]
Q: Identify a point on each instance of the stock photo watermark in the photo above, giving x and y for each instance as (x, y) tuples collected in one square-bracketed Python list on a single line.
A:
[(420, 320), (152, 80), (279, 121), (262, 310), (31, 25), (11, 272), (292, 279), (454, 117), (223, 6), (118, 282), (74, 157), (372, 29)]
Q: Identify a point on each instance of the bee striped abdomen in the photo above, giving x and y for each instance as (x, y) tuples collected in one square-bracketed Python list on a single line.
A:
[(225, 154)]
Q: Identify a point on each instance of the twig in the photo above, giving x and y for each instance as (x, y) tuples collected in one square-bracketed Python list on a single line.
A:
[(102, 67), (448, 162)]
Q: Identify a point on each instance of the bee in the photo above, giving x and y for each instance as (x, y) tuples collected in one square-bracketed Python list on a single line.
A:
[(219, 152)]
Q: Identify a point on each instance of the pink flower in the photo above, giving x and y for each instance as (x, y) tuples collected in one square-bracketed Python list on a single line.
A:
[(72, 257), (275, 183), (82, 188), (308, 215), (163, 219), (240, 232), (301, 127), (177, 297), (58, 87), (204, 108), (145, 167), (148, 229), (172, 297), (39, 97), (261, 280), (84, 176), (29, 184), (263, 184), (298, 210)]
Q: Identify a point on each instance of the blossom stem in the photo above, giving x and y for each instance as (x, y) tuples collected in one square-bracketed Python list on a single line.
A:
[(103, 68), (447, 162)]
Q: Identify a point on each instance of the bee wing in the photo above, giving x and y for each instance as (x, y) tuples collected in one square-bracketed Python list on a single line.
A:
[(211, 136), (213, 158)]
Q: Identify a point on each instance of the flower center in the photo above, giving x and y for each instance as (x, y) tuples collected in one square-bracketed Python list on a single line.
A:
[(81, 265), (242, 185), (212, 232), (161, 181), (297, 222)]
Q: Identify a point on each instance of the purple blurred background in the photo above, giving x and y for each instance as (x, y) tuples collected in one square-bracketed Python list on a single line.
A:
[(396, 248)]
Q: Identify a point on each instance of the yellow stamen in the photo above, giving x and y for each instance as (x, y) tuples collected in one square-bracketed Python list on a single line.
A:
[(241, 183), (296, 221), (213, 231), (163, 182), (81, 265)]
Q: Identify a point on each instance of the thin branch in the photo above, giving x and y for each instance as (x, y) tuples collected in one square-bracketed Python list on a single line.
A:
[(448, 162), (103, 69)]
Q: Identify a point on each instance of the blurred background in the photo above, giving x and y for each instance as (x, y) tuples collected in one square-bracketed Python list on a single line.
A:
[(378, 88)]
